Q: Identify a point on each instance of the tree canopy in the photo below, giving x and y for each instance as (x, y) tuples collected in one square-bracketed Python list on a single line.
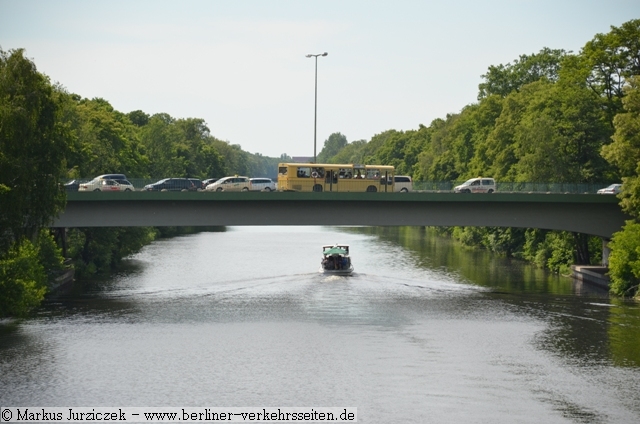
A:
[(33, 149)]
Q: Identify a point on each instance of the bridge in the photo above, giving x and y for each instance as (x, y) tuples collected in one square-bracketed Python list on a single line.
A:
[(598, 215)]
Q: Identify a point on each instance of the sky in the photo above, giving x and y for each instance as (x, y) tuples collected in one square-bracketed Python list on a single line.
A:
[(241, 65)]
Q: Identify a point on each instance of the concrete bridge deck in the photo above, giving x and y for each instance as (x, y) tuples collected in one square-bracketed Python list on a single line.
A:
[(594, 214)]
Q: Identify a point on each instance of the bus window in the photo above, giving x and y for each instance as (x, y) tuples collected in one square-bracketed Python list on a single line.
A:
[(373, 174), (317, 172), (345, 173), (282, 170), (304, 172)]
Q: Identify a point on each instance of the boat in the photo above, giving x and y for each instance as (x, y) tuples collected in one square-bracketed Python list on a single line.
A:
[(336, 260)]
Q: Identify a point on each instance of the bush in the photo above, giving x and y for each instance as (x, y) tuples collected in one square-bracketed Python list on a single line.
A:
[(49, 255), (22, 280), (624, 260)]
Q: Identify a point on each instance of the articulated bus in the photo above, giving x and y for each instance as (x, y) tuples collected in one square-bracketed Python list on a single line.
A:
[(335, 177)]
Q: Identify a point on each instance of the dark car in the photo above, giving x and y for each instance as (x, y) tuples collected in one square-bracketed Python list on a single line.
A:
[(175, 184), (208, 181), (72, 185)]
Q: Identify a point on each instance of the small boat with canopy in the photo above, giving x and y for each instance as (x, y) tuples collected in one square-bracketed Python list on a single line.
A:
[(336, 260)]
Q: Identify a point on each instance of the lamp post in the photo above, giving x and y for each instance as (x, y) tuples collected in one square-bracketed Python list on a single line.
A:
[(315, 111)]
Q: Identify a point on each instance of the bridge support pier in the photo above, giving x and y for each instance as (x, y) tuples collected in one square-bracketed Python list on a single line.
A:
[(605, 251), (60, 234)]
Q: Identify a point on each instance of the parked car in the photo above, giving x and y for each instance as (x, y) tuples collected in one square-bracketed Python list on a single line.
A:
[(476, 185), (107, 185), (208, 181), (97, 183), (612, 189), (72, 185), (402, 183), (175, 184), (235, 183), (262, 184), (111, 177)]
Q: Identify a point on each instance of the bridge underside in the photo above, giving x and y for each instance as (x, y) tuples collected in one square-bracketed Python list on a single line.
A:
[(589, 214)]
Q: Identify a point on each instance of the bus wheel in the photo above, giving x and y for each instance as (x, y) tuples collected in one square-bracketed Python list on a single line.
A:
[(372, 189), (317, 187)]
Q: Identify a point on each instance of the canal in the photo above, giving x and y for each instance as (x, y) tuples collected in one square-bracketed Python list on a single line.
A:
[(424, 331)]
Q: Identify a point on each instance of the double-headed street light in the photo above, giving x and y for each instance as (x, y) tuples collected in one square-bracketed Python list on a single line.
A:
[(315, 112)]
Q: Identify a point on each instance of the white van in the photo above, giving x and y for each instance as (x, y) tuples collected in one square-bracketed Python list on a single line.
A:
[(476, 185), (402, 183)]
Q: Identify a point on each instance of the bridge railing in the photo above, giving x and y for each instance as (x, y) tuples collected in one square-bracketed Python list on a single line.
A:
[(515, 187), (574, 188), (447, 186)]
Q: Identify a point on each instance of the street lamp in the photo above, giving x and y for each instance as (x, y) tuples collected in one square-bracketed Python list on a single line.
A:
[(315, 112)]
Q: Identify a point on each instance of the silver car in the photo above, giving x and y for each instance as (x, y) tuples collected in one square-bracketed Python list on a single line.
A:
[(263, 184), (100, 184), (476, 185), (235, 183), (612, 189)]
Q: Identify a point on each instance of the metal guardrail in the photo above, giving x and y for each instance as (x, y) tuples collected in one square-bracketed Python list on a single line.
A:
[(447, 186), (516, 187)]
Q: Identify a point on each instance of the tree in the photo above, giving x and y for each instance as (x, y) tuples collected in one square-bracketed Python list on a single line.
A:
[(351, 153), (560, 135), (162, 142), (104, 140), (33, 149), (138, 118), (332, 146), (505, 79), (606, 62), (624, 260), (22, 279), (624, 151)]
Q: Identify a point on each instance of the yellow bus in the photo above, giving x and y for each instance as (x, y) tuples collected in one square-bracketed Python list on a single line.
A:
[(335, 177)]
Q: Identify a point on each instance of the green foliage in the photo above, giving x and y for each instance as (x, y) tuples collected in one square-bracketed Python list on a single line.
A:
[(502, 80), (104, 140), (22, 279), (560, 134), (332, 146), (100, 250), (351, 153), (561, 255), (624, 260), (468, 236), (49, 255), (401, 149), (624, 152), (263, 166), (164, 146), (611, 59), (33, 147), (138, 118), (502, 241)]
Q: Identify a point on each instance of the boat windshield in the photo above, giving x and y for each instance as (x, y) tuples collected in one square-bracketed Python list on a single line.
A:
[(335, 251)]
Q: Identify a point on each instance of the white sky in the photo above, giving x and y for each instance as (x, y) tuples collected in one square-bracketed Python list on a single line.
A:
[(240, 64)]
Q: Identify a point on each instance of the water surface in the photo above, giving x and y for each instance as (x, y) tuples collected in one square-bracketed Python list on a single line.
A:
[(424, 331)]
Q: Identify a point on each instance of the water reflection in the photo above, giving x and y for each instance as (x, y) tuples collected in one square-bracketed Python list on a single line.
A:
[(624, 333), (585, 325)]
